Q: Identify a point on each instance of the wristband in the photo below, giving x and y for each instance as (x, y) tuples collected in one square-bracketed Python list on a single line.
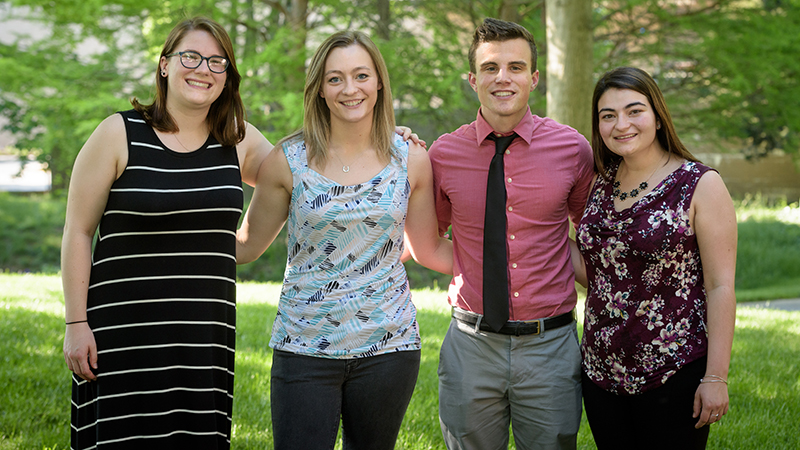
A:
[(77, 321)]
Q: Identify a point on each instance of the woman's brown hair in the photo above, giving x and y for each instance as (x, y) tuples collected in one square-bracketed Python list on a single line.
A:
[(640, 81), (226, 117)]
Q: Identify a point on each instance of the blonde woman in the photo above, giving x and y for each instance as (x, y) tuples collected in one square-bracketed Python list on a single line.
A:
[(346, 341)]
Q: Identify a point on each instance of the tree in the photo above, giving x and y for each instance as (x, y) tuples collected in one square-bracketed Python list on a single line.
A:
[(569, 63), (726, 67)]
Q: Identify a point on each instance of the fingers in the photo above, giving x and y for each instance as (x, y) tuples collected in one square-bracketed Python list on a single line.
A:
[(698, 404), (80, 351), (710, 403), (79, 365), (711, 417), (85, 371), (407, 135)]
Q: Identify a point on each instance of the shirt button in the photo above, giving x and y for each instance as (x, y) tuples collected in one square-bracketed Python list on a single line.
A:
[(514, 265), (509, 179), (516, 294), (512, 237), (510, 208), (508, 152)]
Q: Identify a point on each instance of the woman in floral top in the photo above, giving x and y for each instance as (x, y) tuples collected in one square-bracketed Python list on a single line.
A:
[(657, 247)]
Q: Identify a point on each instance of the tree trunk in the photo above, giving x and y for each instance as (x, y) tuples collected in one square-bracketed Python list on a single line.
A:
[(569, 63), (509, 11), (384, 19)]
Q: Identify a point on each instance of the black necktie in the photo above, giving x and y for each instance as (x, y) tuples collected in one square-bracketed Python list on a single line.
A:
[(495, 256)]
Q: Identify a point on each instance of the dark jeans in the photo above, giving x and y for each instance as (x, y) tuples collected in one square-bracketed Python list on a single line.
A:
[(657, 419), (310, 394)]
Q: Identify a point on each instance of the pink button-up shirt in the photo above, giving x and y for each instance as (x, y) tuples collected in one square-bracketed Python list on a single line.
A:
[(548, 172)]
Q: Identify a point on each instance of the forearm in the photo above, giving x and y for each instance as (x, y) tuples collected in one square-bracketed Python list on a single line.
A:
[(75, 273), (439, 258), (721, 322), (578, 265)]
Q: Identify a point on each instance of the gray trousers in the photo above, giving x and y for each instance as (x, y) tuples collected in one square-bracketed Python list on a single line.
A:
[(488, 381)]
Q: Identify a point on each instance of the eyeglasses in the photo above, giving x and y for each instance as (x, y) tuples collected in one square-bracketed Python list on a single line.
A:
[(192, 60)]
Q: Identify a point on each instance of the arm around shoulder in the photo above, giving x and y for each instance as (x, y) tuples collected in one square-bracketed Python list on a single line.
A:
[(253, 150), (268, 209), (421, 227)]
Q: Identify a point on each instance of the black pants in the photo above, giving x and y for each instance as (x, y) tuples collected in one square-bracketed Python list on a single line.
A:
[(370, 395), (657, 419)]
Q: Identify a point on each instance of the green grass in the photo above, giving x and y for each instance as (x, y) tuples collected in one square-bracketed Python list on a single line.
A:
[(35, 384), (768, 256)]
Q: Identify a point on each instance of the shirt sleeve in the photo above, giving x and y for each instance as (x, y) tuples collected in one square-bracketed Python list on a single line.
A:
[(583, 180), (443, 206)]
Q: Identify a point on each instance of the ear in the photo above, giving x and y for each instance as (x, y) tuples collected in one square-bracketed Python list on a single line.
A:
[(473, 81), (162, 65), (321, 94), (534, 80)]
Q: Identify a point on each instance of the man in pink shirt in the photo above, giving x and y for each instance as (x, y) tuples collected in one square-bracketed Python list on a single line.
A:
[(524, 371)]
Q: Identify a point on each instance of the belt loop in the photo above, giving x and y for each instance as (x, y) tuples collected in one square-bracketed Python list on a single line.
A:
[(478, 323)]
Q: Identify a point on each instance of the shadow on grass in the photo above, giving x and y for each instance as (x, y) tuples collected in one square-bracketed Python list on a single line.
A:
[(35, 392)]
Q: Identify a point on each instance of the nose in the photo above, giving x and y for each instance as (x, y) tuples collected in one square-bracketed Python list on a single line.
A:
[(622, 122), (204, 65), (349, 87), (502, 75)]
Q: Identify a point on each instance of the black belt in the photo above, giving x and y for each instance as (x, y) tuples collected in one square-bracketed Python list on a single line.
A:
[(517, 327)]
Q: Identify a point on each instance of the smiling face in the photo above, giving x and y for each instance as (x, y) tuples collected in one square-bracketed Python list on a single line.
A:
[(198, 87), (627, 122), (504, 81), (350, 84)]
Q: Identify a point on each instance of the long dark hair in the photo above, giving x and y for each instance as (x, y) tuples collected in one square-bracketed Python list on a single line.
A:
[(226, 116), (640, 81)]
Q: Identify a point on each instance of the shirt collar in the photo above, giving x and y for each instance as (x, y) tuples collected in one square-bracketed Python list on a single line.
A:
[(524, 128)]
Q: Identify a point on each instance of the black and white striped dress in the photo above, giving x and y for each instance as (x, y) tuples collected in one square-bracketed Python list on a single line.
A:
[(162, 301)]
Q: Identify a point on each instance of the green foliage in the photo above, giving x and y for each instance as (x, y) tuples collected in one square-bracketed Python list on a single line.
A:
[(751, 73), (35, 384), (30, 233), (726, 67)]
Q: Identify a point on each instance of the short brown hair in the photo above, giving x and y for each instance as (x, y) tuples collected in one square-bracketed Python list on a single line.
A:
[(492, 30), (226, 116)]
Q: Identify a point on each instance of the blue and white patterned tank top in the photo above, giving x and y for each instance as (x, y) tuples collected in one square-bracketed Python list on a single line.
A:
[(345, 291)]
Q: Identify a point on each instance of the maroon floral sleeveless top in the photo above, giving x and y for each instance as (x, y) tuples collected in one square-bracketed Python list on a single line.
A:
[(645, 314)]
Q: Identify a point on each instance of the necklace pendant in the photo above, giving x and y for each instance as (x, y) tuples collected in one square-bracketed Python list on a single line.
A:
[(345, 168)]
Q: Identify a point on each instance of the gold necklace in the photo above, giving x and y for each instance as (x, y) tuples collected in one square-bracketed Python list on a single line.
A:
[(615, 191)]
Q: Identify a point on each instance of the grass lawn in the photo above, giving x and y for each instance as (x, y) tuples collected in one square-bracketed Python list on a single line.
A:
[(35, 384)]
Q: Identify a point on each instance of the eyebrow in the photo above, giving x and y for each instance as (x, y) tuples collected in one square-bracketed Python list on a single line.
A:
[(357, 69), (626, 107), (511, 63)]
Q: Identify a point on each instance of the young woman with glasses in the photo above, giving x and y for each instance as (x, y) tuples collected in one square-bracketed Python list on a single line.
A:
[(151, 311)]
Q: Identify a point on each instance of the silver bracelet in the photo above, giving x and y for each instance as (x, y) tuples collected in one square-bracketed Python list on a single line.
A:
[(717, 380)]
